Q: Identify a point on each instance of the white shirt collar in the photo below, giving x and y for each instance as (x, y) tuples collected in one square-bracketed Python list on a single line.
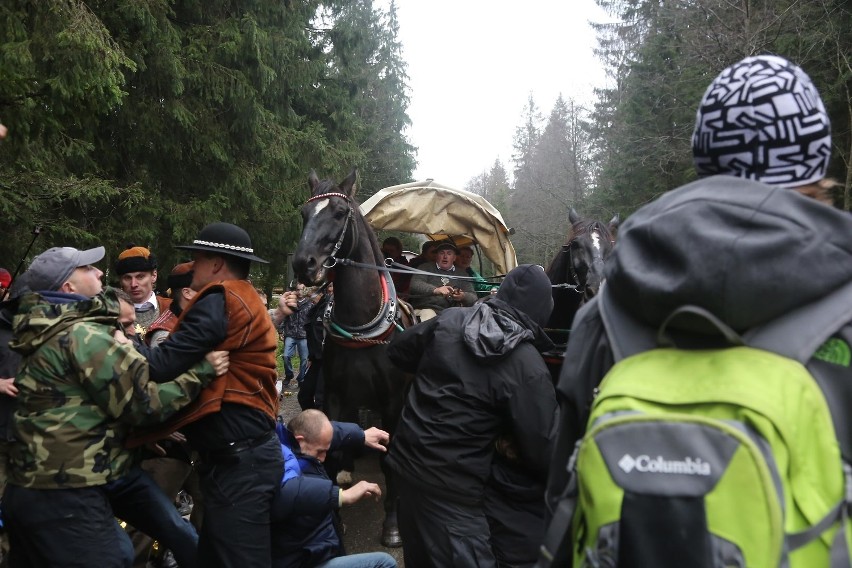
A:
[(152, 300)]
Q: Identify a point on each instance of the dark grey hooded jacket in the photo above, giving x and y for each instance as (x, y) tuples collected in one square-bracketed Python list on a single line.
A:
[(744, 251), (479, 377)]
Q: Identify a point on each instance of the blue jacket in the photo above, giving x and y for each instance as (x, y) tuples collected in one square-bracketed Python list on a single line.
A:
[(305, 522)]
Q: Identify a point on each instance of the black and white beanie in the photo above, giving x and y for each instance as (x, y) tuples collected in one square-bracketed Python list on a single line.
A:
[(763, 119)]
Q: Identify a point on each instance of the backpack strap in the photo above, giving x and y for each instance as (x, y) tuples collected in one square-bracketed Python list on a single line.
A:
[(799, 333), (840, 557), (556, 549), (796, 335)]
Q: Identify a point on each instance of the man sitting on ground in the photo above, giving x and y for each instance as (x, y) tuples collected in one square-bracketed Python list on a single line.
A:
[(306, 529)]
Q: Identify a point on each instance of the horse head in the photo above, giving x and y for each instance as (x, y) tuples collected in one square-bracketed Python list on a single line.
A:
[(328, 227), (588, 246)]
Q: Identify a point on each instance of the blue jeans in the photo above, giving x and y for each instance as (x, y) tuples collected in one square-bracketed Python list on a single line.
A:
[(136, 499), (290, 346), (363, 560)]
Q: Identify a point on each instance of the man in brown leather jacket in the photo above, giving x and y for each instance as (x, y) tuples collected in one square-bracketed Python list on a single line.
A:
[(231, 424)]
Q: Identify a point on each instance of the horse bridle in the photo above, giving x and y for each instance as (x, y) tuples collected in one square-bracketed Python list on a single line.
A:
[(580, 289), (350, 216), (383, 324)]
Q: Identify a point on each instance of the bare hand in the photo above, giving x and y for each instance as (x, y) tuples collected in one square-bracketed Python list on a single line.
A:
[(7, 387), (120, 337), (159, 450), (156, 448), (359, 491), (445, 291), (376, 439), (219, 360), (177, 437)]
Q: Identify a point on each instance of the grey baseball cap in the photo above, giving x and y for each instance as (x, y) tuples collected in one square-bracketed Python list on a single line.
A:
[(51, 269)]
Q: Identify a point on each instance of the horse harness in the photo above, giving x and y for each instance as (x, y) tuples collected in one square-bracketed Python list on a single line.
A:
[(350, 216), (380, 328), (580, 288)]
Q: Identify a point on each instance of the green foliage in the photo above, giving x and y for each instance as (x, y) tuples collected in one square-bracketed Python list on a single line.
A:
[(663, 54), (140, 121)]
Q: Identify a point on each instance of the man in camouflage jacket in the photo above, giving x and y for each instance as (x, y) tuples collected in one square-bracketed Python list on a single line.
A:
[(80, 391)]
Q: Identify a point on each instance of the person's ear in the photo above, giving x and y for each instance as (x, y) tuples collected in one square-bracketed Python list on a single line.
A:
[(153, 278), (67, 287), (300, 439), (218, 263)]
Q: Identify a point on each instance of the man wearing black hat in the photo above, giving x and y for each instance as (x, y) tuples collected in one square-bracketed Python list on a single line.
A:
[(445, 287), (231, 424)]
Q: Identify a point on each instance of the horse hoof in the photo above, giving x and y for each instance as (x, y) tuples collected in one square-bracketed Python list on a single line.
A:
[(344, 478), (391, 538)]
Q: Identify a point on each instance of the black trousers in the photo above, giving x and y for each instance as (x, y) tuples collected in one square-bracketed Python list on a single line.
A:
[(441, 533), (238, 491), (310, 391), (64, 528)]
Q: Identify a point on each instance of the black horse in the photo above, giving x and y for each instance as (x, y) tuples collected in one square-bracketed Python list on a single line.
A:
[(364, 316), (577, 272)]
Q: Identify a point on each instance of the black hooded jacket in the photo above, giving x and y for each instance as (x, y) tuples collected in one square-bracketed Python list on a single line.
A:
[(479, 377), (746, 252)]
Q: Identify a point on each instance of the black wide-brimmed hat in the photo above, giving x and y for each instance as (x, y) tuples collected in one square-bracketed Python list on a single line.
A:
[(224, 238)]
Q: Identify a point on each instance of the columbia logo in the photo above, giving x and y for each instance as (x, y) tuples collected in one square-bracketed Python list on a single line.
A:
[(647, 464), (627, 463)]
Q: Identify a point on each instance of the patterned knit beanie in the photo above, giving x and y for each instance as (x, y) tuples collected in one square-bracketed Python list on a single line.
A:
[(763, 119)]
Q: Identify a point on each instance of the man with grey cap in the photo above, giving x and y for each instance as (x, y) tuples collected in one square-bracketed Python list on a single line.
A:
[(444, 287), (232, 423), (79, 393), (479, 378), (753, 240)]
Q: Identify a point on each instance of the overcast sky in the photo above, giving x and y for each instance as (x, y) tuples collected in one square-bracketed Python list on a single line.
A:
[(472, 65)]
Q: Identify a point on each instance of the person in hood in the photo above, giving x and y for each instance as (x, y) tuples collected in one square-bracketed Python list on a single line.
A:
[(753, 239), (481, 389)]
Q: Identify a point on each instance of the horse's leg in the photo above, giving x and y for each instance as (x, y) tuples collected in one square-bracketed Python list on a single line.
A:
[(390, 415)]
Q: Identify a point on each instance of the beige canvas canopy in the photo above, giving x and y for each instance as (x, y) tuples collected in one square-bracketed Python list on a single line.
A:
[(442, 212)]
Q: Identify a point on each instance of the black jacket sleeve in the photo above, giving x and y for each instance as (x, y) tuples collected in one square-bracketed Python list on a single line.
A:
[(588, 358), (304, 495), (347, 436), (406, 349), (204, 326)]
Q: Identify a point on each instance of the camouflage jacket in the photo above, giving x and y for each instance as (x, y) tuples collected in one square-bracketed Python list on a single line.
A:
[(80, 392)]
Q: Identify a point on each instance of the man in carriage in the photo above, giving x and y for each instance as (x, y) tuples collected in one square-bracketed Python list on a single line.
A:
[(445, 287)]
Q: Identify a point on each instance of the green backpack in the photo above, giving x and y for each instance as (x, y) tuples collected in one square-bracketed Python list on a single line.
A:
[(705, 458)]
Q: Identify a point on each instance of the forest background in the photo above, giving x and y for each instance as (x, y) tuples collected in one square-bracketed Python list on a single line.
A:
[(139, 121)]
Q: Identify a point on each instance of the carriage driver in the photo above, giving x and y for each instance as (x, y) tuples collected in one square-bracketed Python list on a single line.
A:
[(445, 287)]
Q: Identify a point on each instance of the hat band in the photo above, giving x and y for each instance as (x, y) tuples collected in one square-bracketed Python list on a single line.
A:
[(223, 246)]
